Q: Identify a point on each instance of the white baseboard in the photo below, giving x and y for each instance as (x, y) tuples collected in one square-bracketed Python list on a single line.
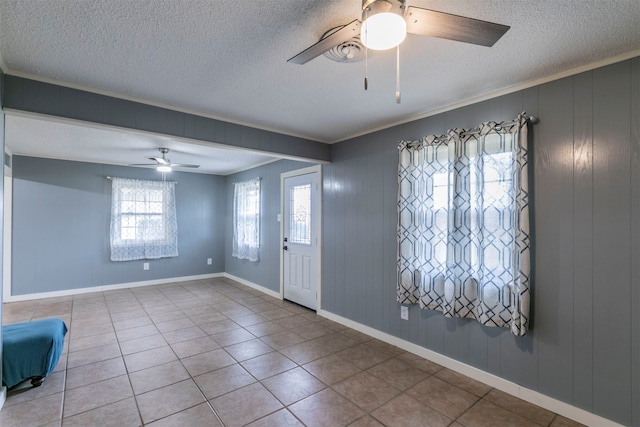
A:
[(104, 288), (531, 396)]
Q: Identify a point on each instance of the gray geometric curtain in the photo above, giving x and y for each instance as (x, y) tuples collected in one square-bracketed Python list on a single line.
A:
[(463, 224), (143, 219)]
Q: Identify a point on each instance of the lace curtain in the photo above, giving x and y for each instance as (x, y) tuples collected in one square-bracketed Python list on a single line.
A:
[(246, 220), (463, 224), (143, 220)]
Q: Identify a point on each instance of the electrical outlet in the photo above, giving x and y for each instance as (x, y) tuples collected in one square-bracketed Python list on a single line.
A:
[(145, 266), (404, 312), (209, 261)]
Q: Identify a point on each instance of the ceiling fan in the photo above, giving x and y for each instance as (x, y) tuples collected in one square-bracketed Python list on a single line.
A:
[(162, 164), (385, 24)]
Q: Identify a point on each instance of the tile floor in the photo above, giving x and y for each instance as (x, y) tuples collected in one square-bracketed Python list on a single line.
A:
[(216, 353)]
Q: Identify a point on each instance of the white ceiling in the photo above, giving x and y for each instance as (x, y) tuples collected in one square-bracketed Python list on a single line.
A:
[(228, 58)]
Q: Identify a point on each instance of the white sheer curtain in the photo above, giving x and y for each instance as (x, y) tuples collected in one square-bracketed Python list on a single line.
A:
[(246, 220), (143, 219), (463, 224)]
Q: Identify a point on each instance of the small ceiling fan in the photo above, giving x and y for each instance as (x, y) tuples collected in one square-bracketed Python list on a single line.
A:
[(162, 164), (385, 24)]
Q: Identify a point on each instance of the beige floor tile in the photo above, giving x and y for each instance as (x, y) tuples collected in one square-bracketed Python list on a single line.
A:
[(486, 414), (265, 328), (195, 346), (95, 395), (383, 347), (283, 340), (166, 316), (405, 411), (207, 317), (248, 349), (139, 332), (335, 341), (305, 352), (267, 365), (366, 421), (443, 397), (149, 358), (397, 373), (464, 382), (93, 355), (232, 337), (223, 380), (125, 315), (331, 369), (25, 392), (131, 323), (185, 334), (90, 341), (141, 344), (420, 363), (174, 325), (157, 377), (168, 400), (197, 416), (219, 326), (206, 362), (119, 414), (281, 418), (560, 421), (326, 408), (234, 411), (95, 372), (249, 319), (366, 391), (293, 385), (520, 407), (36, 412), (362, 356)]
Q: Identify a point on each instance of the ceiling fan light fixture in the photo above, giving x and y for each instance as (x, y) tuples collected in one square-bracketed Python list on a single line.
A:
[(383, 26), (163, 168)]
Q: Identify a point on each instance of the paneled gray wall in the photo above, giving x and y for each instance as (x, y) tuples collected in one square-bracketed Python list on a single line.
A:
[(49, 99), (584, 344), (61, 214), (266, 271)]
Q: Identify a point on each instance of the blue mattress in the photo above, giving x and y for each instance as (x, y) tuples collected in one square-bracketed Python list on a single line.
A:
[(31, 349)]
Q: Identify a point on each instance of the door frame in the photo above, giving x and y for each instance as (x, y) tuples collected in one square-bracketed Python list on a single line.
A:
[(318, 214)]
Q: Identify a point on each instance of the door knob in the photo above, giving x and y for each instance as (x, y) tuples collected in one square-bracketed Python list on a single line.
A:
[(285, 247)]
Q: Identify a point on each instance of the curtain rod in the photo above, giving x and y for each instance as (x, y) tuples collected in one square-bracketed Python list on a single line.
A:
[(110, 178)]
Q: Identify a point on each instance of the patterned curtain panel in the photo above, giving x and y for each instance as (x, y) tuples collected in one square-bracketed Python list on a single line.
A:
[(463, 224), (246, 220), (143, 220)]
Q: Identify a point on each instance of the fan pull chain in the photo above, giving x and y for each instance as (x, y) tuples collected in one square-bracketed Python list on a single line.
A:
[(366, 54), (398, 74)]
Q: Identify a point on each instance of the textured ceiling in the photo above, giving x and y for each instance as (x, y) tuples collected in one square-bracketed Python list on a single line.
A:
[(227, 58)]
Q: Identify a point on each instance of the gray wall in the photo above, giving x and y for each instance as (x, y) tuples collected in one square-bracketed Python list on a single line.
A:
[(584, 345), (266, 271), (49, 99), (61, 214), (1, 208)]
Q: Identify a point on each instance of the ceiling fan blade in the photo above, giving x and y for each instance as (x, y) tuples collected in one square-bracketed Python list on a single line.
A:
[(148, 165), (350, 30), (179, 165), (430, 23), (160, 160)]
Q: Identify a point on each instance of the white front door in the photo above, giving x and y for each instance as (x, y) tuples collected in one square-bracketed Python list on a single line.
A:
[(301, 237)]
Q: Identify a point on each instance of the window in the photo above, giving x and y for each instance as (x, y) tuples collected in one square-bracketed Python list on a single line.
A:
[(246, 220), (143, 220), (463, 225)]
